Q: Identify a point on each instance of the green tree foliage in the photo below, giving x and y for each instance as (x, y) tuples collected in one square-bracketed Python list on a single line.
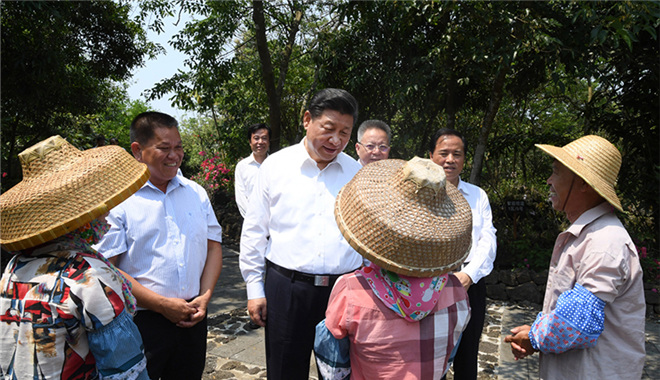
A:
[(419, 65), (508, 75), (59, 62), (248, 62), (115, 119)]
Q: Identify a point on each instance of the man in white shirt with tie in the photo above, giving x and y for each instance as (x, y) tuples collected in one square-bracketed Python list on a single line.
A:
[(291, 248), (247, 168)]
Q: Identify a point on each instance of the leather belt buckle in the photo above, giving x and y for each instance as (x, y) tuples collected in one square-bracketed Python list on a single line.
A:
[(321, 280)]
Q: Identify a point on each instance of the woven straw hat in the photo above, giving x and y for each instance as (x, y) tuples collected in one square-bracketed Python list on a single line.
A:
[(405, 217), (64, 188), (593, 159)]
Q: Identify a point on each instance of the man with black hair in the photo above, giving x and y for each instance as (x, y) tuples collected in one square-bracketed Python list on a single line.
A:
[(166, 238), (247, 168), (291, 248), (447, 149)]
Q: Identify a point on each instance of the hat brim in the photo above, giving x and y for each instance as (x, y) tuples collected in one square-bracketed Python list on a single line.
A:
[(45, 207), (604, 189), (401, 233)]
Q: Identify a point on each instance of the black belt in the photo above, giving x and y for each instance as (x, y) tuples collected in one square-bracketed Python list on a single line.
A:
[(314, 279)]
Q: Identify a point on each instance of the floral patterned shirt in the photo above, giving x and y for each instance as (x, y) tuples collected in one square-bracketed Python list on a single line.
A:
[(63, 316)]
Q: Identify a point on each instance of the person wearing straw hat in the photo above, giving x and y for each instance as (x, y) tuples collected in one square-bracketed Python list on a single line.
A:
[(592, 323), (65, 311), (447, 149), (401, 316), (291, 249), (166, 238)]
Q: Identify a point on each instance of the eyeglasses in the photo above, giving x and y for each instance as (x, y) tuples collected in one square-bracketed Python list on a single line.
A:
[(371, 147)]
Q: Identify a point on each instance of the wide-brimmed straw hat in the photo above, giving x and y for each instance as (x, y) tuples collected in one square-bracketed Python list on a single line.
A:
[(64, 188), (405, 217), (595, 160)]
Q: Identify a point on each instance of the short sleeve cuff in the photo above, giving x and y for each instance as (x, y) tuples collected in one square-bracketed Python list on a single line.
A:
[(118, 349)]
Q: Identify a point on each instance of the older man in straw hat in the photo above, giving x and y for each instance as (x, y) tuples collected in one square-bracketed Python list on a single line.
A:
[(65, 312), (592, 324), (401, 316)]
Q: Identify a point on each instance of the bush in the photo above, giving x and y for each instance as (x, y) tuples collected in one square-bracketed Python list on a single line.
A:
[(214, 176)]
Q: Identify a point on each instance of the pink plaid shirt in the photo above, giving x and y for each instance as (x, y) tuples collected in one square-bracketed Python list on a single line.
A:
[(385, 346)]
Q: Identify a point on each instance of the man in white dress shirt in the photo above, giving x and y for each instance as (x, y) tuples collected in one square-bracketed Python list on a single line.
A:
[(166, 238), (447, 149), (290, 275), (373, 144), (247, 168)]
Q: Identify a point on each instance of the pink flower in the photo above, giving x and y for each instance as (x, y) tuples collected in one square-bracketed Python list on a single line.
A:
[(654, 290), (642, 253), (4, 174), (202, 153)]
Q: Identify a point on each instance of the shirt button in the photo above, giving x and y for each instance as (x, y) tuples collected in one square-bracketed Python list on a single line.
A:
[(181, 265)]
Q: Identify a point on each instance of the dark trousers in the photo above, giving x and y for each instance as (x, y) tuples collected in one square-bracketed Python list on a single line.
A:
[(466, 360), (293, 310), (172, 352)]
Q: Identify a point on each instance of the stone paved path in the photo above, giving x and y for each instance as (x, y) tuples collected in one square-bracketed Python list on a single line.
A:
[(237, 352)]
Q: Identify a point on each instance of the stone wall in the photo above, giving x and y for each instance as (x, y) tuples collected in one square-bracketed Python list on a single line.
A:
[(524, 285)]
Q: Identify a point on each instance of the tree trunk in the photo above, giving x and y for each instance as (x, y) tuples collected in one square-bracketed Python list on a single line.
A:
[(274, 89), (496, 95), (274, 114)]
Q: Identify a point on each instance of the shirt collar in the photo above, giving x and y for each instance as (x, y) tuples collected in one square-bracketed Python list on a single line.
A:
[(174, 183), (588, 217), (251, 159), (304, 154), (463, 188)]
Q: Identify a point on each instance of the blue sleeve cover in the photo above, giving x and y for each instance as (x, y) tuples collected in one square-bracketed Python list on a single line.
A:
[(576, 323), (332, 354), (118, 349)]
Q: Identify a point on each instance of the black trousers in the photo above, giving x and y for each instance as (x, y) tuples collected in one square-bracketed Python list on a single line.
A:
[(294, 308), (466, 360), (172, 352)]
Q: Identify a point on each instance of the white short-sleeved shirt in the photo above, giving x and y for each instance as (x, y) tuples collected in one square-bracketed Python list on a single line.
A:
[(164, 237)]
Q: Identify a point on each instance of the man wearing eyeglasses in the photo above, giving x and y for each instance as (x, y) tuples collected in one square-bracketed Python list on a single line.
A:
[(373, 141)]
